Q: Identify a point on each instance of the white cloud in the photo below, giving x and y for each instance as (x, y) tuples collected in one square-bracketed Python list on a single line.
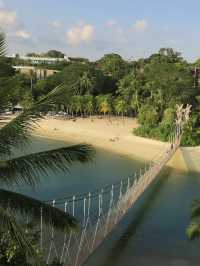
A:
[(8, 19), (111, 23), (23, 34), (11, 25), (140, 25), (80, 34), (56, 24)]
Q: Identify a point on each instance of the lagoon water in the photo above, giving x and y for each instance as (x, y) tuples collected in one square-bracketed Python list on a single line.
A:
[(153, 232)]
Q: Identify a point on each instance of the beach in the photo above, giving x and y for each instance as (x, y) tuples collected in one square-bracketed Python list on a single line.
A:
[(115, 134)]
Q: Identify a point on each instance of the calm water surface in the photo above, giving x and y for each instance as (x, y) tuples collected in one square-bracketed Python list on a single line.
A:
[(153, 232)]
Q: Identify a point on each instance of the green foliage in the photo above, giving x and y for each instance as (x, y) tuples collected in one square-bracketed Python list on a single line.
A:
[(167, 124), (6, 69), (128, 86), (50, 53), (85, 77), (26, 168), (104, 103), (120, 106), (14, 202), (113, 65), (54, 53), (158, 82), (11, 253), (193, 230), (191, 133), (148, 116), (42, 87), (2, 45), (112, 85)]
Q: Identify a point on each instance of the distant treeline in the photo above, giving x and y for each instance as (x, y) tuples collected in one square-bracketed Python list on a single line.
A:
[(148, 89)]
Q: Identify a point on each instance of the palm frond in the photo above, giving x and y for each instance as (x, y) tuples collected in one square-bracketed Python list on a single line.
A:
[(26, 169), (9, 224), (193, 230), (28, 206), (17, 131), (195, 211), (3, 90), (2, 45)]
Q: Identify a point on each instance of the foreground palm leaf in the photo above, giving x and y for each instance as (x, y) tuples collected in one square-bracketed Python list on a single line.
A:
[(26, 169), (193, 230), (2, 45), (32, 207), (195, 211), (4, 99), (17, 132), (9, 224)]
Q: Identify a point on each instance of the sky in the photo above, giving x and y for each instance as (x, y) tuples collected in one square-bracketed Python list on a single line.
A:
[(92, 28)]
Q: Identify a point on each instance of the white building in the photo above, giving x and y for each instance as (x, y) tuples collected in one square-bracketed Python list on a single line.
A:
[(41, 60)]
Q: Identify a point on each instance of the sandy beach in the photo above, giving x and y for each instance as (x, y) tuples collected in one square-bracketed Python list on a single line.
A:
[(114, 134)]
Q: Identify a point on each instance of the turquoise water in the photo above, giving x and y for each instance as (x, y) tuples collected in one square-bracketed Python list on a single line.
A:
[(153, 232), (106, 169)]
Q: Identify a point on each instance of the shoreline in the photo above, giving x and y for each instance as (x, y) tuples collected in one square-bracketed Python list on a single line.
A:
[(115, 134)]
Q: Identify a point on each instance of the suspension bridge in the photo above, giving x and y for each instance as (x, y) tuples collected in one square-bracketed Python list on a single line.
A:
[(99, 212)]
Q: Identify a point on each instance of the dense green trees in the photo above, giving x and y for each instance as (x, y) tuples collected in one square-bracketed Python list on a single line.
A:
[(116, 86), (147, 88), (113, 65), (50, 53), (165, 81), (16, 86)]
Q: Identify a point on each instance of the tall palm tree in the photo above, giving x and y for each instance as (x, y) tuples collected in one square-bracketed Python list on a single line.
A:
[(104, 103), (120, 106), (89, 104), (18, 170), (85, 83), (76, 104), (134, 103)]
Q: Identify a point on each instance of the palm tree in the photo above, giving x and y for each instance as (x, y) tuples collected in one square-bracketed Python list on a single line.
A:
[(120, 106), (104, 103), (134, 103), (18, 170), (85, 83), (77, 104), (89, 104)]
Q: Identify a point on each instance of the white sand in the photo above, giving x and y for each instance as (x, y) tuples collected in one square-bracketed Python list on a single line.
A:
[(113, 134)]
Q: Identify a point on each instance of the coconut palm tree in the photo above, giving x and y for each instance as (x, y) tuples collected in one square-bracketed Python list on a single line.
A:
[(24, 169), (89, 104), (134, 103), (104, 104), (77, 104), (85, 83), (120, 106)]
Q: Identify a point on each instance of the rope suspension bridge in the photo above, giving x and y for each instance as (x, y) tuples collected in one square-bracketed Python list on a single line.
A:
[(100, 211)]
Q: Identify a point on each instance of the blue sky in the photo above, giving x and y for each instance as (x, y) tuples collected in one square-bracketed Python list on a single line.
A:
[(132, 28)]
